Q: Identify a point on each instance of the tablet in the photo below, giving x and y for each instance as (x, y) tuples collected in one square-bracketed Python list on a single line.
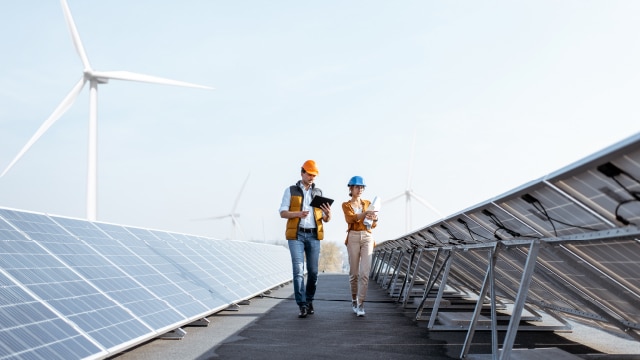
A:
[(319, 200)]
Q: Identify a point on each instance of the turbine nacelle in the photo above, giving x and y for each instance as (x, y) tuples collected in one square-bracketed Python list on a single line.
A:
[(89, 75)]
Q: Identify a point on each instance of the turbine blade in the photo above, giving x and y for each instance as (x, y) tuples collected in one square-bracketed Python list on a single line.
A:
[(393, 198), (411, 160), (235, 205), (213, 217), (57, 113), (75, 36), (130, 76), (237, 228), (425, 203)]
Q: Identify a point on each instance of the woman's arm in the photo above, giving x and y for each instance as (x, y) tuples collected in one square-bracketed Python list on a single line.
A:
[(349, 215)]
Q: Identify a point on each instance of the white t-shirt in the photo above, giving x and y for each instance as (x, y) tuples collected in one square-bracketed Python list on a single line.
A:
[(310, 221)]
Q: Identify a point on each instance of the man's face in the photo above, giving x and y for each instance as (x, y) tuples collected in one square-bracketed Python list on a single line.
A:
[(307, 179)]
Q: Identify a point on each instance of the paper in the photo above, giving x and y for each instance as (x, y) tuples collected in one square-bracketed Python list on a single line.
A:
[(374, 206)]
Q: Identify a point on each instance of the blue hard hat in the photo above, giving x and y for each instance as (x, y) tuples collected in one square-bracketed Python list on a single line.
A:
[(356, 180)]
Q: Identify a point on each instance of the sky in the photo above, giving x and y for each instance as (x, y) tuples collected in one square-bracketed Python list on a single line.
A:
[(458, 101)]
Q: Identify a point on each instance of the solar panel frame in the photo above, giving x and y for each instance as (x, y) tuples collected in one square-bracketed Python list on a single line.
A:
[(552, 214)]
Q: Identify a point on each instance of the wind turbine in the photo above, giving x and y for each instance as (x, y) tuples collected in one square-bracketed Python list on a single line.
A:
[(233, 215), (410, 194), (93, 78)]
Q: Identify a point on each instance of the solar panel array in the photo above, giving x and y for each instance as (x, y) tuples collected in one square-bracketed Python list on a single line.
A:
[(567, 244), (74, 289)]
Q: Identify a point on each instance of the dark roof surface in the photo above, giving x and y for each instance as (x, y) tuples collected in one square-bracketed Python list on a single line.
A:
[(269, 328)]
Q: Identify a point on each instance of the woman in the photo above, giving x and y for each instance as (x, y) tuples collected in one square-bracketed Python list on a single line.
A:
[(359, 242)]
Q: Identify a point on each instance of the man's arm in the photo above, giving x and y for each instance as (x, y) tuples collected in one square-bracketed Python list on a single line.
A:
[(284, 207), (286, 214)]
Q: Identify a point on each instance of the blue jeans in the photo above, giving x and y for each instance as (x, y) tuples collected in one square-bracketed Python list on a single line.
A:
[(309, 245)]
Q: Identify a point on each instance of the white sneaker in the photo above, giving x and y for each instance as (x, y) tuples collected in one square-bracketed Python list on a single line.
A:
[(354, 306), (360, 310)]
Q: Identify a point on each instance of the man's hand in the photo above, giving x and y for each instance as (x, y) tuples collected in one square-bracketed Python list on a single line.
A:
[(326, 208)]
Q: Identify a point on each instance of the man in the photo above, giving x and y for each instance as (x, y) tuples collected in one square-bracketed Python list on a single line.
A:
[(304, 232)]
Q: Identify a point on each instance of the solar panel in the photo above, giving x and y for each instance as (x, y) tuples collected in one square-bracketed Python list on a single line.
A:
[(63, 280), (30, 327), (112, 269), (210, 262), (158, 274), (576, 225), (190, 275), (242, 258), (70, 288)]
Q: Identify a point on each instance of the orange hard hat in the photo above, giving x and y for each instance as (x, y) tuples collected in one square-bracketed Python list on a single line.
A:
[(310, 167)]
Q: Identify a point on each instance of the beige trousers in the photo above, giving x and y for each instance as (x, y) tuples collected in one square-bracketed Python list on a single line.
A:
[(360, 251)]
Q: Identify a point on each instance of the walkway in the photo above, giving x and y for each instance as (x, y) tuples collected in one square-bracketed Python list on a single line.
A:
[(269, 328)]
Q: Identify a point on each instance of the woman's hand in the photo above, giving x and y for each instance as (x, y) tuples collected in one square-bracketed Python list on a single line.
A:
[(370, 215)]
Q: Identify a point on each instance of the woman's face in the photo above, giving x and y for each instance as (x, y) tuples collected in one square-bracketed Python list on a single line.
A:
[(356, 190)]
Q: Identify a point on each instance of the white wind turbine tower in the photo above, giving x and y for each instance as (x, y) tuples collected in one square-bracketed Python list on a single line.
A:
[(235, 229), (409, 193), (93, 78)]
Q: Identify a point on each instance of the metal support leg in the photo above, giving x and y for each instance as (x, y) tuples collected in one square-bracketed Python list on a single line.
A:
[(489, 282), (413, 280), (433, 276), (443, 283), (527, 274), (407, 277)]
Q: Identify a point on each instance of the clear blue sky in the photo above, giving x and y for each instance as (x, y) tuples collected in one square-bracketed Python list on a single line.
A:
[(498, 93)]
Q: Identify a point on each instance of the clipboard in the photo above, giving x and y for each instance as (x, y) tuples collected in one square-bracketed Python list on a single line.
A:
[(319, 200)]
